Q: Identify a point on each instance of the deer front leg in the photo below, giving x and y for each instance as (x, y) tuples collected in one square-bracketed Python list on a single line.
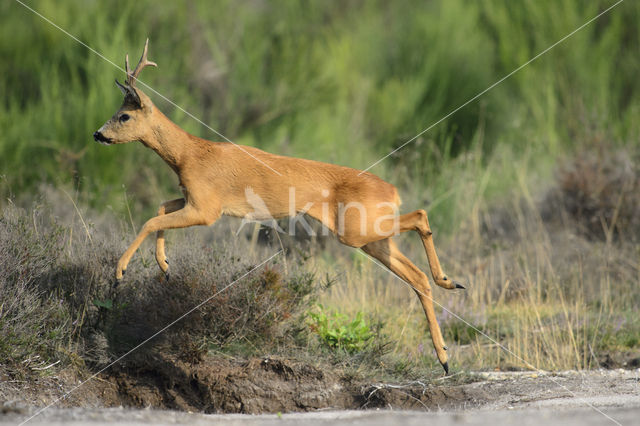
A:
[(187, 216), (165, 208)]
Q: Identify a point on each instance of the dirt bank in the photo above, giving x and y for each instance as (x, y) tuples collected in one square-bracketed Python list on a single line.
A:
[(265, 385)]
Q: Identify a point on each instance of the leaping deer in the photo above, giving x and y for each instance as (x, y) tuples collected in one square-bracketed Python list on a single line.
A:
[(359, 207)]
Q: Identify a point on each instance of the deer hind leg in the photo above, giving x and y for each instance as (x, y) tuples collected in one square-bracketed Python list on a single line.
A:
[(187, 216), (419, 222), (166, 207), (387, 252)]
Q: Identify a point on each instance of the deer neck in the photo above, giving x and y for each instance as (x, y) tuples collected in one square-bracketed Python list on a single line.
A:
[(168, 140)]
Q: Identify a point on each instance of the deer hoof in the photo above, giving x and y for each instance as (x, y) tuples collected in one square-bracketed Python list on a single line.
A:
[(166, 277), (458, 285), (116, 283), (119, 278), (446, 368)]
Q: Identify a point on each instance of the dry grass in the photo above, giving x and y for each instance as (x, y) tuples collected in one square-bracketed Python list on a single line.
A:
[(57, 302), (549, 294), (33, 323)]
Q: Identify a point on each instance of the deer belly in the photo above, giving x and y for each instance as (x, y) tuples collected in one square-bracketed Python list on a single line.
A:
[(255, 211)]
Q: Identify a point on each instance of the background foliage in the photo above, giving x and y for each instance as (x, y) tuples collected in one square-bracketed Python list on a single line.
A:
[(333, 81)]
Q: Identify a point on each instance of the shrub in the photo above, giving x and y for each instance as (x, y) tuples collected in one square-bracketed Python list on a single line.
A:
[(340, 333), (600, 190), (57, 299), (255, 312)]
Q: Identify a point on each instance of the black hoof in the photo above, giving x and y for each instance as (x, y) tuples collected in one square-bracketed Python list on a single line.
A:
[(116, 283), (166, 277), (458, 285), (446, 368)]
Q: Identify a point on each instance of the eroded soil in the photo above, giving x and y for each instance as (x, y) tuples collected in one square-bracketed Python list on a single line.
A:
[(265, 385)]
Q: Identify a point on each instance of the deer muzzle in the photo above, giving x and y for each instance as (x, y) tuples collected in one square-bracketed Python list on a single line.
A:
[(99, 137)]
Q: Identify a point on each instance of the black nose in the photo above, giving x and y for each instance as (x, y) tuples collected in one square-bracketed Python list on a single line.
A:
[(99, 137)]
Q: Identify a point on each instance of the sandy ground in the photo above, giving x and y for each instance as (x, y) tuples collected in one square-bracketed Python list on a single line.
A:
[(522, 417), (568, 398)]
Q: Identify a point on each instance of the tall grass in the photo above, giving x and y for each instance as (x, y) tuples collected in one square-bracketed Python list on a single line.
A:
[(323, 80), (551, 286)]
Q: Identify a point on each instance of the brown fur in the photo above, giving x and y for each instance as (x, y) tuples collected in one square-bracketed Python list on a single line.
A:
[(214, 176)]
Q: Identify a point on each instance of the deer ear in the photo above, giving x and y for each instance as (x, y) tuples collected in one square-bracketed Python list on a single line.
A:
[(121, 87), (133, 97), (130, 94)]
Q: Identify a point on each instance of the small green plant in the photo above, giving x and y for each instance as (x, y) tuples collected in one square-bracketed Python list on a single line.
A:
[(337, 332), (106, 304)]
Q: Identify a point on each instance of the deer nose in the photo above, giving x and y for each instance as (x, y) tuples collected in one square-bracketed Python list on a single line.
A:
[(99, 137)]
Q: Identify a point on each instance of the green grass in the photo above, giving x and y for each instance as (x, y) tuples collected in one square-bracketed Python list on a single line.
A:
[(343, 84)]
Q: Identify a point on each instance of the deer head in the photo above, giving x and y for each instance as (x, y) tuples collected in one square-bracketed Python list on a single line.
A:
[(131, 122)]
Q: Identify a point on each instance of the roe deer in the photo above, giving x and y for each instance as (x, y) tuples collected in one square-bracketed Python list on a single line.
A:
[(360, 208)]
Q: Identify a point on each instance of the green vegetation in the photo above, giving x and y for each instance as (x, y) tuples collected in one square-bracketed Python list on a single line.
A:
[(340, 333), (344, 83), (532, 190)]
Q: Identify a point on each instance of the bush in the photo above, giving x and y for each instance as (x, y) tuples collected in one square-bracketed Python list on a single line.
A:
[(57, 299), (258, 311), (600, 190)]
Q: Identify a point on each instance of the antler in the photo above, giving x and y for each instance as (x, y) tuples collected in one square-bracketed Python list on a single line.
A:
[(132, 76)]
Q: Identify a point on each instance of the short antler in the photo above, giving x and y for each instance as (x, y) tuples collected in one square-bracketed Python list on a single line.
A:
[(132, 76)]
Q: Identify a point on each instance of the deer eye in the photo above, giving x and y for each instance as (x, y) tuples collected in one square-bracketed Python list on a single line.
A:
[(124, 117)]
